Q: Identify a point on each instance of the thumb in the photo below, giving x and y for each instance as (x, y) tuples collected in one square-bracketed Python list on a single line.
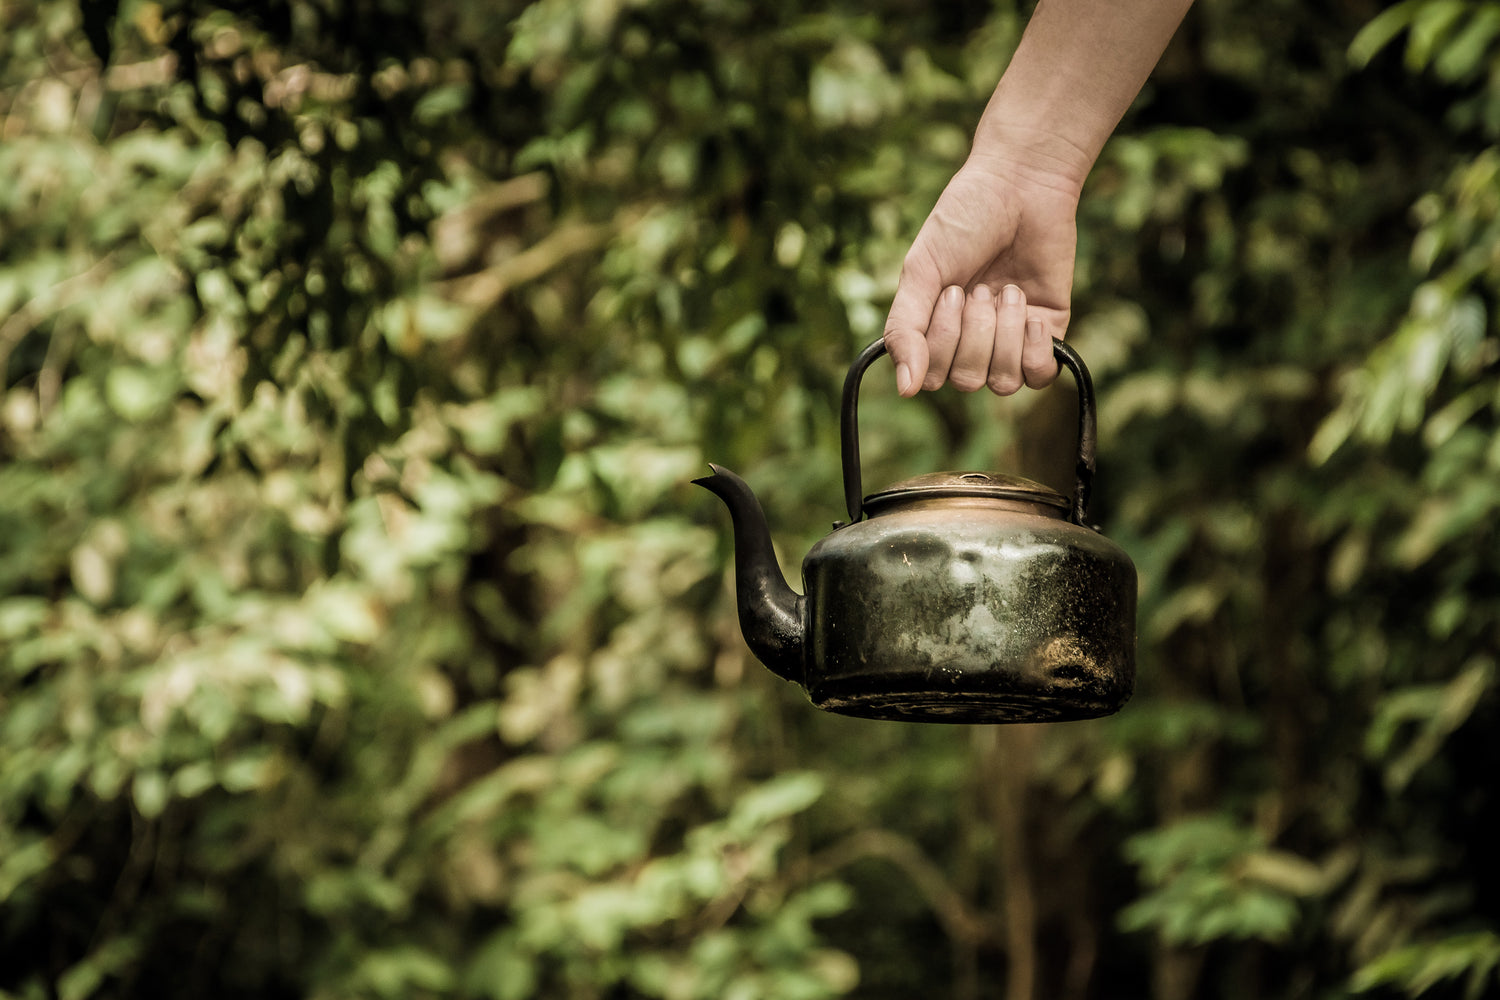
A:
[(906, 329)]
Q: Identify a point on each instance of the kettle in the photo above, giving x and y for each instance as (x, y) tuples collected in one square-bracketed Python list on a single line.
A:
[(960, 597)]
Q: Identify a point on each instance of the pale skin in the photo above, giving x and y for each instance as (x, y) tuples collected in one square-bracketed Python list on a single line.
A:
[(988, 281)]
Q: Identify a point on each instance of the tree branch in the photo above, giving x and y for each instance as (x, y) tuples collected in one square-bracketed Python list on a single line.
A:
[(960, 921)]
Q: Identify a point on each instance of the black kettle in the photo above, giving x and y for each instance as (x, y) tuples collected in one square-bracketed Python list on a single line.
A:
[(951, 597)]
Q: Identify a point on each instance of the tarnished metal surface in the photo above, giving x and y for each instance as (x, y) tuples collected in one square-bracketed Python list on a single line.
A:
[(954, 610), (951, 597), (964, 484), (771, 613)]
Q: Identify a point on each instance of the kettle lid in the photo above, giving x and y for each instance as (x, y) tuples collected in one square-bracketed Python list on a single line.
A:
[(987, 485)]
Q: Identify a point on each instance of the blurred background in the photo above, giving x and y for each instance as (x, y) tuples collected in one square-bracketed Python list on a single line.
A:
[(360, 636)]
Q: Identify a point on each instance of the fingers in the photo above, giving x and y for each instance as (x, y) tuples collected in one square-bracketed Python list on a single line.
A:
[(949, 318), (972, 340), (1038, 363), (1004, 375), (971, 360)]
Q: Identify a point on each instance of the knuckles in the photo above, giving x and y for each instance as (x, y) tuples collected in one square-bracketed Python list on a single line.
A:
[(1004, 385), (967, 381), (1039, 376)]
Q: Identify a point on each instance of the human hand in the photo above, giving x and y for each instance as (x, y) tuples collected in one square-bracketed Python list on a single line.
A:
[(987, 283)]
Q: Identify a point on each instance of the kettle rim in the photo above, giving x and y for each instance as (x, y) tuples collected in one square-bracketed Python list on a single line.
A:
[(966, 484)]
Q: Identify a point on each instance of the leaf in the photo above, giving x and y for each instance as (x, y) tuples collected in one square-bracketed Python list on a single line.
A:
[(21, 616), (84, 979), (502, 970), (1468, 53), (776, 799), (1432, 23), (349, 613), (150, 792), (21, 864), (1207, 879), (850, 86), (1416, 968), (134, 392), (1382, 30), (1285, 872), (1436, 711), (399, 973)]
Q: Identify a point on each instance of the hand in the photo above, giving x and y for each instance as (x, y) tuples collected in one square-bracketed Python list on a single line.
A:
[(987, 283)]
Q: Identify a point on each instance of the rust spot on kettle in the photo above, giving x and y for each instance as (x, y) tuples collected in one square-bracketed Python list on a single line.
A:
[(1063, 658)]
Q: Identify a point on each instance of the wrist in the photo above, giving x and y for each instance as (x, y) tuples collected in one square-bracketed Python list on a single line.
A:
[(1031, 154)]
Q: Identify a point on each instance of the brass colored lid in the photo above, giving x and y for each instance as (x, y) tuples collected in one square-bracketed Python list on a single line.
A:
[(992, 485)]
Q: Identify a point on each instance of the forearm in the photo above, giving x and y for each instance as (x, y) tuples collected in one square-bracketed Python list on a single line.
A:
[(1079, 66)]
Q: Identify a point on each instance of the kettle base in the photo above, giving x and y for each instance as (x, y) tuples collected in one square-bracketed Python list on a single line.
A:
[(971, 708)]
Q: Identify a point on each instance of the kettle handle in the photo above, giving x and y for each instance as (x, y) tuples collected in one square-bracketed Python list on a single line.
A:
[(1087, 430)]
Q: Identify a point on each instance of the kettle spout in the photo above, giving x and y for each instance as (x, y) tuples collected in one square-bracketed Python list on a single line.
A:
[(770, 611)]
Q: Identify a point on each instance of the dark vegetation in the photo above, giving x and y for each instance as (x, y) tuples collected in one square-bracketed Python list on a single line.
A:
[(360, 636)]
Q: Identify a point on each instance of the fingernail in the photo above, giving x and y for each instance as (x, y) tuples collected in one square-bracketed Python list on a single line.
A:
[(903, 379), (982, 293), (1011, 294), (953, 295), (1034, 329)]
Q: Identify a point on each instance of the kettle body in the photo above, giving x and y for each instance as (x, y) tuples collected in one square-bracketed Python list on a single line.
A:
[(958, 597), (1006, 614)]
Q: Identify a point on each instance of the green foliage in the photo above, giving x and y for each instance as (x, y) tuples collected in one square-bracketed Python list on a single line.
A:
[(1213, 879), (359, 635), (1418, 968)]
